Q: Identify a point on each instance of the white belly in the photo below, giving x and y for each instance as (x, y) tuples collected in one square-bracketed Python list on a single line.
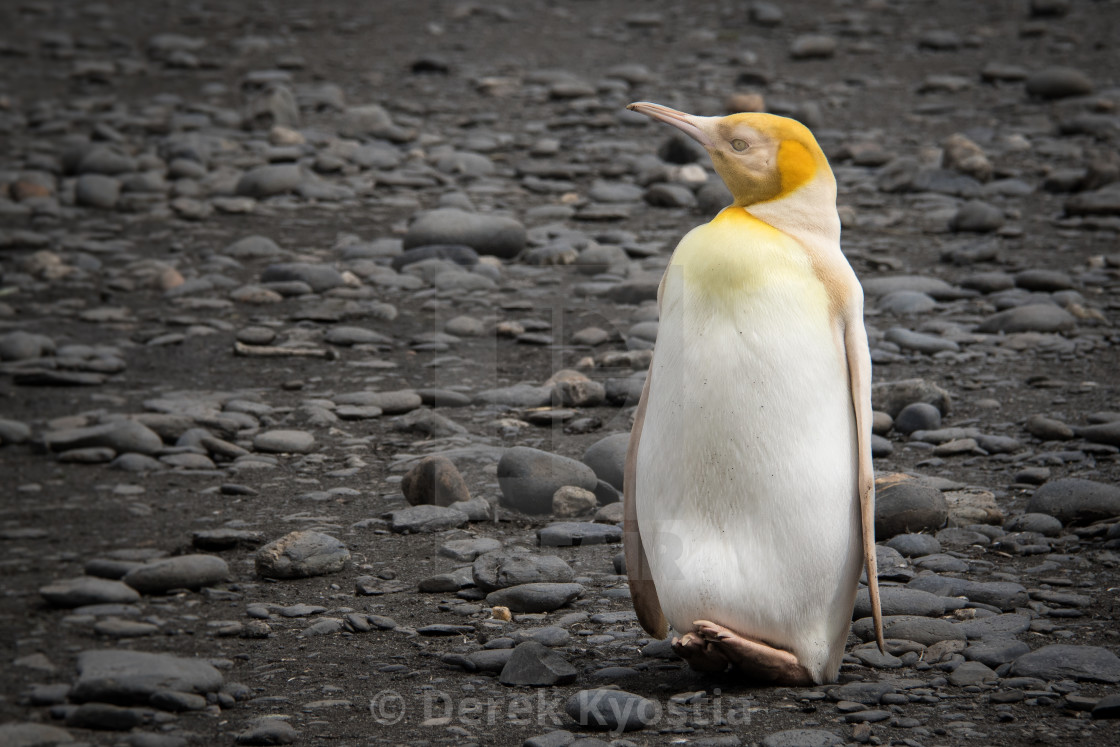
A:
[(746, 480)]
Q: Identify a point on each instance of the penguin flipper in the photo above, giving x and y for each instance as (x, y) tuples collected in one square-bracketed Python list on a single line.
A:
[(642, 591), (859, 377)]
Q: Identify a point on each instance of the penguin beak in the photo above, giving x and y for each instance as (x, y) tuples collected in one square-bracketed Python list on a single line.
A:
[(695, 127)]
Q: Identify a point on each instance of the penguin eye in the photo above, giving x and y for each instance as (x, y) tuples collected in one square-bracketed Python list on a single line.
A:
[(739, 144)]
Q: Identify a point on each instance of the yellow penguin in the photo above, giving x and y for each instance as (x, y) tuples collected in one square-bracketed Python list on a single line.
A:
[(749, 493)]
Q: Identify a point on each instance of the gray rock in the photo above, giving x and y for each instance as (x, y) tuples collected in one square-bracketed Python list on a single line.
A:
[(97, 191), (15, 734), (371, 120), (444, 583), (321, 278), (253, 247), (84, 590), (486, 234), (571, 502), (425, 519), (1044, 524), (268, 731), (538, 597), (906, 302), (1101, 433), (1104, 201), (917, 417), (284, 442), (21, 346), (502, 569), (557, 738), (536, 665), (1074, 500), (915, 545), (122, 676), (996, 651), (518, 395), (121, 436), (897, 600), (273, 179), (1048, 429), (301, 555), (575, 533), (612, 710), (1107, 707), (813, 46), (1005, 595), (924, 630), (867, 693), (971, 673), (467, 550), (891, 565), (892, 396), (106, 717), (978, 217), (179, 572), (529, 478), (907, 506), (607, 457), (802, 738), (1063, 661), (931, 286), (1058, 82), (436, 481), (1039, 317)]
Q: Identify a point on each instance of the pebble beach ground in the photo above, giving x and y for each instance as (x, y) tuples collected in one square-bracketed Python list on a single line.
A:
[(322, 326)]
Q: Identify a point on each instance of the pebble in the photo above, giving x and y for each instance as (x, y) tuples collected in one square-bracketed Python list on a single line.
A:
[(501, 569), (534, 597), (894, 600), (300, 555), (802, 738), (434, 480), (1064, 661), (570, 501), (924, 630), (426, 518), (284, 442), (270, 180), (612, 710), (122, 436), (1073, 499), (1058, 82), (530, 477), (575, 533), (267, 731), (16, 734), (996, 651), (914, 545), (123, 676), (487, 234), (179, 572), (907, 506), (85, 590), (1042, 317), (533, 664)]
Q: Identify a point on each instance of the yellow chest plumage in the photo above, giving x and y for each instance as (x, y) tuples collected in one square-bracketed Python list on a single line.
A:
[(736, 256)]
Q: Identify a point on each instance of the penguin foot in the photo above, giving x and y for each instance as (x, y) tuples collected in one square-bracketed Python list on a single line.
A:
[(753, 658), (700, 655)]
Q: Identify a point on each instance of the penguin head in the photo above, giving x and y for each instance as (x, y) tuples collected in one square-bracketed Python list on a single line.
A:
[(760, 157)]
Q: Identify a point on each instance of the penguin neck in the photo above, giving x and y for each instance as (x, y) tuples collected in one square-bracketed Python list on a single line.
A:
[(807, 214)]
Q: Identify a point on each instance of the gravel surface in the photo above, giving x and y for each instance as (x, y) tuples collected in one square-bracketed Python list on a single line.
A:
[(322, 326)]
